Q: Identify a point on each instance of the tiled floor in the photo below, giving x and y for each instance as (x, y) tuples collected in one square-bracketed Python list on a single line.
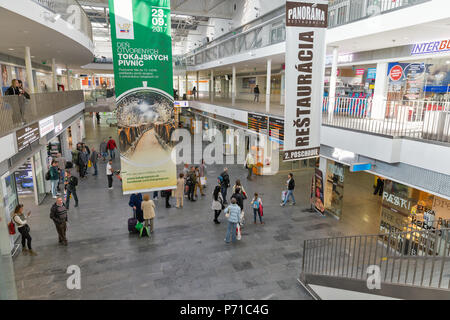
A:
[(186, 258)]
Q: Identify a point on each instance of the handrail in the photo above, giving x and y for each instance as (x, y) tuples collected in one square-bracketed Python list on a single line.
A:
[(419, 119), (70, 11), (17, 111), (414, 258)]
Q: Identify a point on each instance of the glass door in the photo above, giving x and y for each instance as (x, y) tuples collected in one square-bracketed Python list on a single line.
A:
[(39, 178)]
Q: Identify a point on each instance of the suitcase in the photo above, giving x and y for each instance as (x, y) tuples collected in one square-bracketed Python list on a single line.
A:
[(132, 224)]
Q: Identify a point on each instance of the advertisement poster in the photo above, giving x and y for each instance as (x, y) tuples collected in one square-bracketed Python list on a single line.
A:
[(407, 78), (306, 23), (334, 188), (317, 199), (142, 55)]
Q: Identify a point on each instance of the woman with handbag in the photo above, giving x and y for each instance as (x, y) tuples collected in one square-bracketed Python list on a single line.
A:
[(22, 225), (239, 185), (217, 203)]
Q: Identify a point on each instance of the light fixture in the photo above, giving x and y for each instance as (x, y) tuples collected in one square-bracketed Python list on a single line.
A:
[(10, 49)]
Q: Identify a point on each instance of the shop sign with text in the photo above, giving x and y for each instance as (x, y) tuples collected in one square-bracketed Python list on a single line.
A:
[(306, 23)]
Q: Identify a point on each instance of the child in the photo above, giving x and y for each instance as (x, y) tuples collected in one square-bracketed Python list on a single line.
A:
[(257, 208)]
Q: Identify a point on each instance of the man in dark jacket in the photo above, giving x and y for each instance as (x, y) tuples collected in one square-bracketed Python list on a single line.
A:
[(94, 157), (256, 92), (135, 202), (239, 198), (58, 214), (290, 183), (71, 188), (225, 184), (54, 178)]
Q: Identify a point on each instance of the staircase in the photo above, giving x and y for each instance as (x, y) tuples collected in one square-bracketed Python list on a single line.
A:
[(413, 264)]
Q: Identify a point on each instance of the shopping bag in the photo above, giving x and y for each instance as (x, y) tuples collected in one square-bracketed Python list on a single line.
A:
[(89, 164), (283, 195), (139, 226), (203, 181), (260, 210), (238, 232)]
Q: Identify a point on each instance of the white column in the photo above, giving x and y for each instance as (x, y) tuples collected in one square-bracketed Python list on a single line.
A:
[(379, 103), (186, 89), (212, 86), (68, 78), (29, 70), (283, 88), (197, 84), (333, 79), (54, 82), (268, 84), (233, 87), (179, 88)]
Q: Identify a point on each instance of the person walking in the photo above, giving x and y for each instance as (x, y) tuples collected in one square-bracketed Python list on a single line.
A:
[(109, 174), (166, 194), (111, 146), (179, 192), (94, 159), (136, 203), (257, 208), (148, 207), (62, 168), (290, 183), (239, 185), (21, 223), (191, 182), (103, 149), (54, 178), (58, 213), (225, 184), (186, 173), (194, 92), (198, 183), (97, 115), (256, 92), (217, 203), (379, 187), (239, 198), (203, 171), (71, 189), (233, 213), (249, 164), (82, 163)]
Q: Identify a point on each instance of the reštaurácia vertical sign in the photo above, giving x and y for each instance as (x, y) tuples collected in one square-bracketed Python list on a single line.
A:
[(306, 23), (142, 54)]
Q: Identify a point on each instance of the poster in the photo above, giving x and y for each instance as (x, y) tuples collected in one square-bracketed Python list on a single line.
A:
[(317, 199), (306, 23), (142, 54)]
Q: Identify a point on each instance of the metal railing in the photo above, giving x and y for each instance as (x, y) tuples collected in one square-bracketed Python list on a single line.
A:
[(420, 119), (342, 12), (17, 111), (414, 258), (70, 11)]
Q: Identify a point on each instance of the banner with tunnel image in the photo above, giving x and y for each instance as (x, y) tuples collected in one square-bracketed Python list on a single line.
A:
[(142, 54)]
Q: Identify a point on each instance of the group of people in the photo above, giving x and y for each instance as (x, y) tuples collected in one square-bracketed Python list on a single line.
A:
[(17, 89)]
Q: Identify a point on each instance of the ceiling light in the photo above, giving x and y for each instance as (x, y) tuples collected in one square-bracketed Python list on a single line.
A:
[(10, 49)]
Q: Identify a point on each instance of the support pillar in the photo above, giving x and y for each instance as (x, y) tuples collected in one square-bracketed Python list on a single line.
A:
[(68, 78), (186, 89), (268, 84), (283, 89), (54, 82), (197, 82), (212, 86), (333, 80), (233, 87), (29, 70), (379, 103), (179, 88)]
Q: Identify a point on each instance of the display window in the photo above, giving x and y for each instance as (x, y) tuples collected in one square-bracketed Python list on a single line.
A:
[(334, 188)]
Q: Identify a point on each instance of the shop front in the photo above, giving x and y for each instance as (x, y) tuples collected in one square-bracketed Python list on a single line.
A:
[(357, 81)]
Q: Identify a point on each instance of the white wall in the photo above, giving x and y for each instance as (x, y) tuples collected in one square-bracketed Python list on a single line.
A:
[(245, 10)]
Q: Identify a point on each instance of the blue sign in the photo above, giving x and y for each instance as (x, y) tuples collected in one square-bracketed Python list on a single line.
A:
[(356, 167), (371, 73)]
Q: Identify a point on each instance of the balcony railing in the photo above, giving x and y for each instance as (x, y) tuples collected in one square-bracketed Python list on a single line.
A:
[(70, 11), (341, 12), (16, 111), (428, 120)]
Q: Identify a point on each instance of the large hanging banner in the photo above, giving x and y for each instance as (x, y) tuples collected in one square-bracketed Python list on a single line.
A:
[(142, 54), (306, 23)]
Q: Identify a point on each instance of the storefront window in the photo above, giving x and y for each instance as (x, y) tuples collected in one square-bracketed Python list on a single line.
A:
[(39, 177), (334, 188)]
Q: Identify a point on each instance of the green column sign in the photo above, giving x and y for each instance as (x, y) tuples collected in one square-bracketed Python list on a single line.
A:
[(142, 54)]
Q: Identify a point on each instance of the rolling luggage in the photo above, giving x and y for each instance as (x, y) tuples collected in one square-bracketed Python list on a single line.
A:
[(132, 224)]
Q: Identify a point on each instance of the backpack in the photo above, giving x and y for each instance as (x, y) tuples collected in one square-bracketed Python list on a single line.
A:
[(47, 175), (75, 156), (11, 228), (73, 181)]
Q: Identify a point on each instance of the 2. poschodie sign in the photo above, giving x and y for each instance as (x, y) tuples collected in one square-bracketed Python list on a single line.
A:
[(306, 23)]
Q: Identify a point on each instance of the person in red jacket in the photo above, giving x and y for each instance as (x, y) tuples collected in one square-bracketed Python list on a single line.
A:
[(111, 146)]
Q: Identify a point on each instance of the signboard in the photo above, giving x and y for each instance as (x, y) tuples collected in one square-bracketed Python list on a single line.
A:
[(257, 123), (181, 104), (142, 56), (396, 73), (371, 73), (58, 128), (27, 136), (306, 23), (46, 126), (356, 167), (276, 129), (431, 47), (360, 72), (317, 199)]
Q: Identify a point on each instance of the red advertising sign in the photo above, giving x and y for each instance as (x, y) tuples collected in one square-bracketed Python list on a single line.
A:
[(360, 72), (396, 73)]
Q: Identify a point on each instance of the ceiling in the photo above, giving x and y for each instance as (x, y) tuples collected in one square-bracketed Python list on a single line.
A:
[(45, 43)]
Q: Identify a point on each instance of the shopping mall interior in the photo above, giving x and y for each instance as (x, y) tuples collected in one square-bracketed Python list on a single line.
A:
[(331, 117)]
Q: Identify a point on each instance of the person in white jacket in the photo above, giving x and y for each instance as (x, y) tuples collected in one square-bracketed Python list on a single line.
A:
[(24, 229)]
